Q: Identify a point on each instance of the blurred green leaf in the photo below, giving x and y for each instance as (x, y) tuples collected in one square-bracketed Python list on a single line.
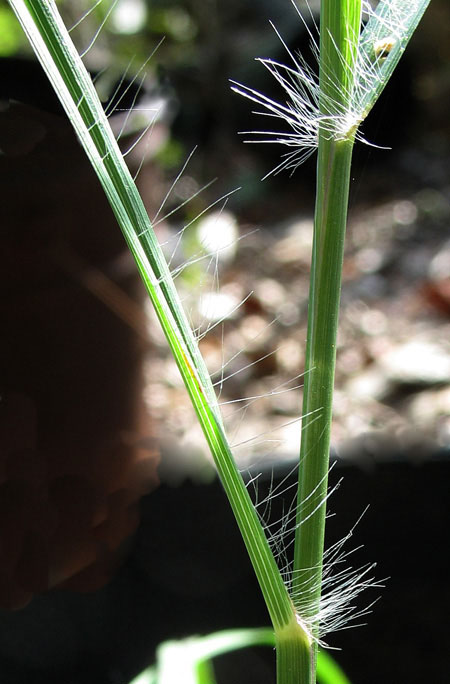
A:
[(11, 35), (328, 671), (188, 661), (205, 673)]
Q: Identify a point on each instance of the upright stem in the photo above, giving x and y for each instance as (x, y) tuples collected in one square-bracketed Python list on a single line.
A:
[(293, 648), (328, 246), (339, 30)]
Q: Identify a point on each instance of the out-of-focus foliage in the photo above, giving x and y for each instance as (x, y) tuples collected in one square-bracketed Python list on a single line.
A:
[(201, 44), (187, 50), (11, 36)]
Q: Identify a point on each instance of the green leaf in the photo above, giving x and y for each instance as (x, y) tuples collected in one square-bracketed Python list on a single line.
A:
[(328, 671)]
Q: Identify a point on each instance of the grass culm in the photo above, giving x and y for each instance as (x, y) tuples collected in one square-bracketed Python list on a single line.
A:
[(358, 49)]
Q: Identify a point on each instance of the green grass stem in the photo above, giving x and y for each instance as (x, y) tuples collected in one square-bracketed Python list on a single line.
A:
[(340, 24), (54, 48), (350, 80), (353, 72)]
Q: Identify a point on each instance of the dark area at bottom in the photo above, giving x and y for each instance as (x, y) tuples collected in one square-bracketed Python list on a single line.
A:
[(188, 574)]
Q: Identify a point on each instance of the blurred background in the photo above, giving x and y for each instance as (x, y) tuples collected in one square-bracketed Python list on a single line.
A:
[(86, 380)]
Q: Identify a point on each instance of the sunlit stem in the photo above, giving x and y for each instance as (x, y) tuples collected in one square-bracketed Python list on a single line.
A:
[(52, 44), (339, 31)]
